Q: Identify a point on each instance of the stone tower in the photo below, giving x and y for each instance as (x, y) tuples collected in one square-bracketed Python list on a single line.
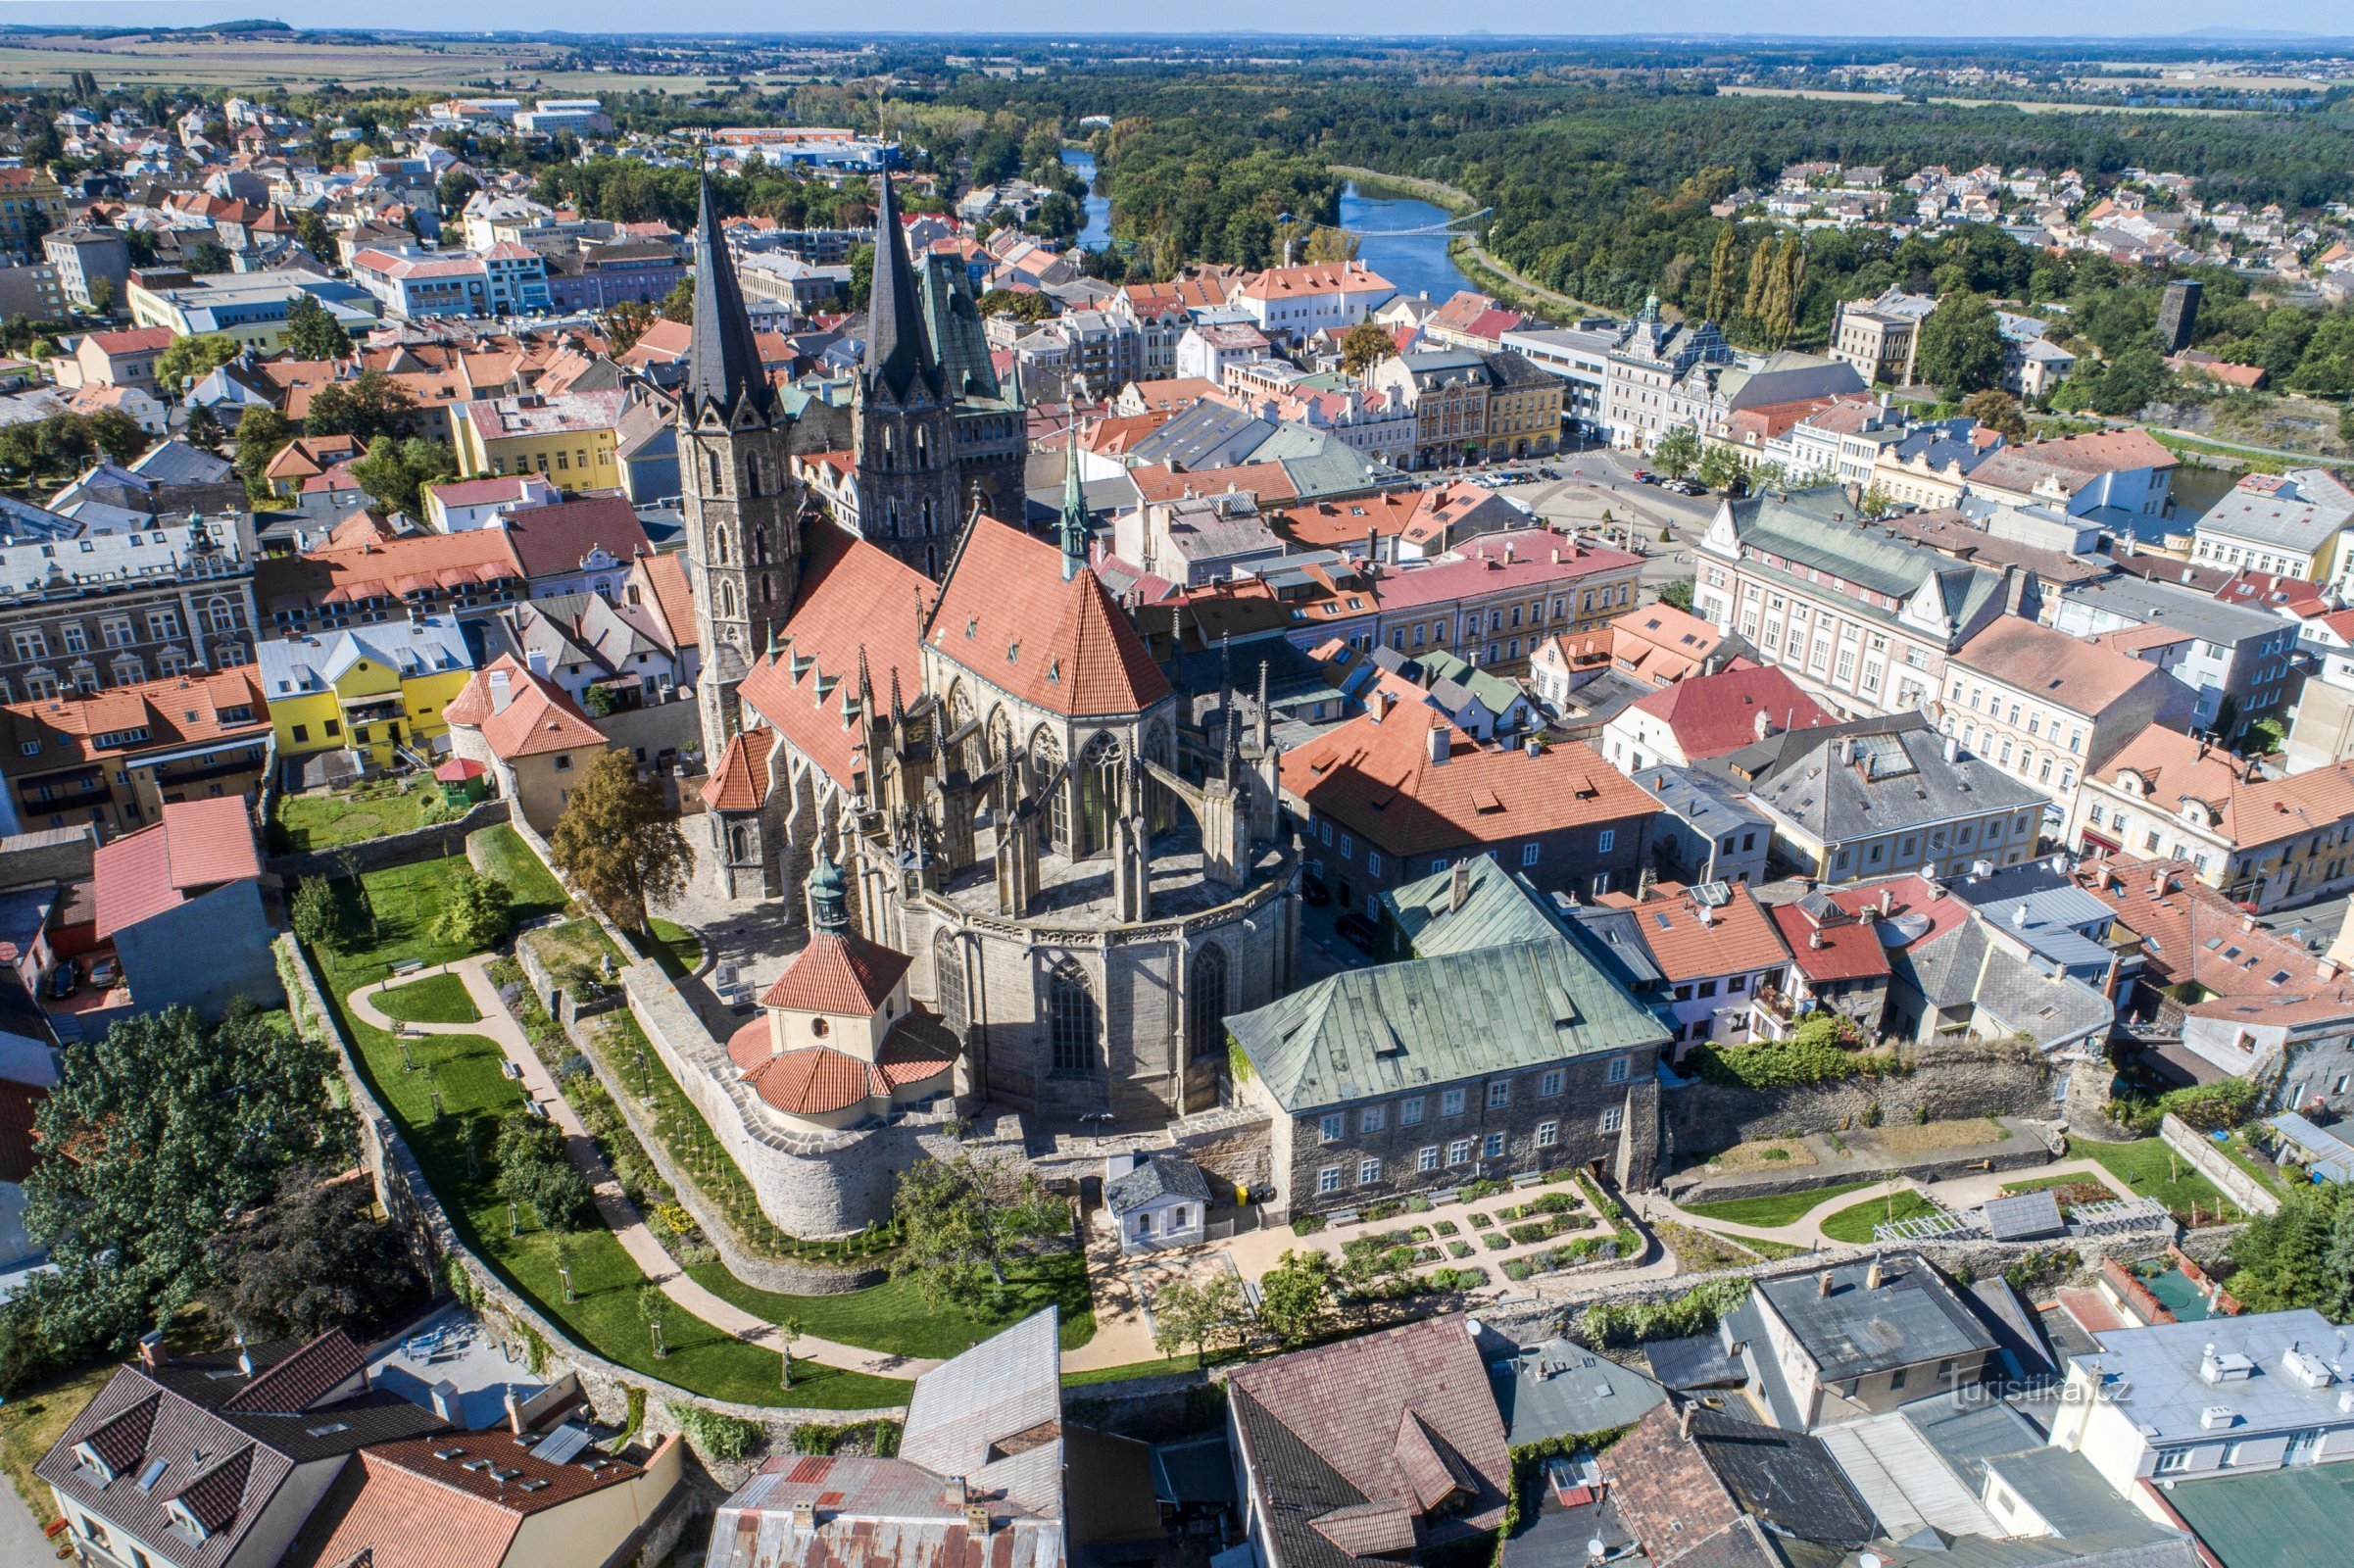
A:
[(904, 428), (743, 510)]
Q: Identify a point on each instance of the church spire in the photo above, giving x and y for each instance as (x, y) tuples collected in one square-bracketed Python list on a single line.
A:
[(829, 902), (895, 352), (1074, 524), (723, 362)]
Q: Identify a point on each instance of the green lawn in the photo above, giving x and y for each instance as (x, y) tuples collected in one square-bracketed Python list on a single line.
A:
[(1772, 1251), (1133, 1369), (1781, 1208), (330, 820), (2041, 1184), (31, 1422), (508, 857), (894, 1318), (581, 941), (437, 999), (2152, 1170), (464, 1069), (1855, 1222), (677, 949)]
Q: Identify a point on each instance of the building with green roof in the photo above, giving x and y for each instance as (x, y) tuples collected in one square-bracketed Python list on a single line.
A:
[(1500, 1047)]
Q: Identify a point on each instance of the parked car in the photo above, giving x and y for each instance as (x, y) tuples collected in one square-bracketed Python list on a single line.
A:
[(1683, 487), (1356, 930), (1548, 474), (64, 981), (1645, 476), (106, 972)]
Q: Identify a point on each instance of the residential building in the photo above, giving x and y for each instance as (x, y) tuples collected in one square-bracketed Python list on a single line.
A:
[(2263, 842), (2218, 996), (2037, 965), (1714, 950), (32, 205), (1881, 340), (2296, 524), (1862, 620), (114, 358), (581, 546), (31, 289), (568, 437), (377, 576), (118, 755), (1387, 1447), (1192, 540), (982, 1475), (1401, 525), (80, 609), (2151, 1407), (1708, 830), (2045, 707), (1707, 715), (1697, 1487), (1863, 1337), (2129, 469), (1559, 813), (1447, 390), (588, 642), (370, 689), (1206, 352), (191, 883), (306, 458), (1876, 798), (456, 506), (1300, 302), (1836, 966), (528, 732), (598, 278), (1523, 410), (2240, 661), (230, 1465)]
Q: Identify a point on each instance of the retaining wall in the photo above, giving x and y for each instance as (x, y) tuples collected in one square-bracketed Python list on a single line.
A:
[(515, 1322), (433, 841), (2027, 1147), (2200, 1152), (1951, 1081)]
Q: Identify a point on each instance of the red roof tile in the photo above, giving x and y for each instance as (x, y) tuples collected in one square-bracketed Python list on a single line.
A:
[(1734, 940), (740, 783), (538, 718), (838, 972), (1850, 949), (1007, 614), (1713, 714)]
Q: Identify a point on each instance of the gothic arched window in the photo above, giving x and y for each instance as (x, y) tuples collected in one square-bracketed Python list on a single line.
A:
[(752, 474), (1071, 1021), (1099, 784), (719, 544), (728, 601), (948, 985), (718, 470), (1205, 1003)]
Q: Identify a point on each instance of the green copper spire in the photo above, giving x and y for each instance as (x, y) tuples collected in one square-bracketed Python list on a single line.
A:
[(1074, 524)]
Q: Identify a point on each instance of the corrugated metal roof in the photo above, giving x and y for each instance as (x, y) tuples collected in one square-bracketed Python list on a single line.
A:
[(1904, 1481)]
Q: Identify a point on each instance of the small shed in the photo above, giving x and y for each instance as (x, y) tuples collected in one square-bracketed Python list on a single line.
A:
[(1157, 1200), (463, 780)]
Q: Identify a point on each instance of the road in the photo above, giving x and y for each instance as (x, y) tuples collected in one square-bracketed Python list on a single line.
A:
[(20, 1538), (2315, 924)]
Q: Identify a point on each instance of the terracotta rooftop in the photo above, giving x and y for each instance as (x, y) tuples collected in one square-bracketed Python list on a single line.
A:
[(1713, 714), (539, 717), (2173, 769), (1736, 939), (740, 783), (838, 972), (195, 845), (1007, 614), (2063, 670)]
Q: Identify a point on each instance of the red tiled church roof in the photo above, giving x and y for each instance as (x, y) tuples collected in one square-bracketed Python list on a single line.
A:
[(1007, 614)]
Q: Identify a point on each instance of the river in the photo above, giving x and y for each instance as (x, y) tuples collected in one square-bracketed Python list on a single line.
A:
[(1418, 264)]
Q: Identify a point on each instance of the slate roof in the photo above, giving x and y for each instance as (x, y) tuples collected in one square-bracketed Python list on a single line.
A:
[(1357, 1444), (1723, 1496), (1819, 530), (1161, 1176), (983, 1415), (1557, 1387), (1898, 780), (1398, 1027)]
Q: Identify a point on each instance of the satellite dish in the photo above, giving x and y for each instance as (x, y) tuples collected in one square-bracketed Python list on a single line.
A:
[(1598, 1552), (1870, 1559)]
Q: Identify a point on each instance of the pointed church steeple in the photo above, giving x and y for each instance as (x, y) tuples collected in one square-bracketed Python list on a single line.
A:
[(1074, 524), (723, 360), (896, 352)]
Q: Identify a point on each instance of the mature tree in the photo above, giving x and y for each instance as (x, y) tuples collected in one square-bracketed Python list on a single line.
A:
[(626, 322), (617, 844), (1721, 468), (653, 1307), (960, 1220), (1876, 503), (191, 359), (206, 255), (64, 439), (316, 238), (260, 433), (1721, 263), (2345, 426), (862, 273), (679, 304), (103, 295), (159, 1133), (1202, 1314), (475, 914), (203, 429), (535, 1172), (2301, 1256), (452, 188), (1678, 451), (116, 436), (1997, 411), (1295, 1298), (316, 914), (370, 406), (315, 1257), (395, 473), (1367, 343), (1960, 346), (1023, 305), (311, 330), (1677, 594)]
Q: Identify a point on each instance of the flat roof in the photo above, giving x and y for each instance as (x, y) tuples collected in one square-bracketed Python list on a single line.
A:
[(2271, 1518)]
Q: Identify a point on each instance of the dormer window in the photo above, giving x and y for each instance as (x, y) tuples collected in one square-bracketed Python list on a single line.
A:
[(90, 1459), (186, 1524)]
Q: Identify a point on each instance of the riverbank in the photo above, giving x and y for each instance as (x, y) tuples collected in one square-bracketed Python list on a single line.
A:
[(1472, 258)]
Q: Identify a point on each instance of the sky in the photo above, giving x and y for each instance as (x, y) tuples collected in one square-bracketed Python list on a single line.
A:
[(1819, 18)]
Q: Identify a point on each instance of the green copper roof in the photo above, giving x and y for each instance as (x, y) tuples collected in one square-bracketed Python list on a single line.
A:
[(1498, 906), (1366, 1033)]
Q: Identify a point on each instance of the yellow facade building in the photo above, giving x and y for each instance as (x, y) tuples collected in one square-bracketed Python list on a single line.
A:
[(570, 437), (373, 689)]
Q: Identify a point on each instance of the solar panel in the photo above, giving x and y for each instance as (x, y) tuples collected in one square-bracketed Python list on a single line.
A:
[(561, 1443)]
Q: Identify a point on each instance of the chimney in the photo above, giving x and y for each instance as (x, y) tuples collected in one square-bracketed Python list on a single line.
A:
[(1888, 902), (499, 693), (1684, 1422), (976, 1519), (951, 1491), (1823, 1284), (1816, 938), (245, 1358), (805, 1515), (1953, 749), (2019, 916), (2157, 883), (151, 1349), (1442, 743), (448, 1404), (537, 660), (1765, 727), (1458, 885), (515, 1412), (1872, 1275), (2247, 924), (2326, 970), (1377, 707), (1846, 749)]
